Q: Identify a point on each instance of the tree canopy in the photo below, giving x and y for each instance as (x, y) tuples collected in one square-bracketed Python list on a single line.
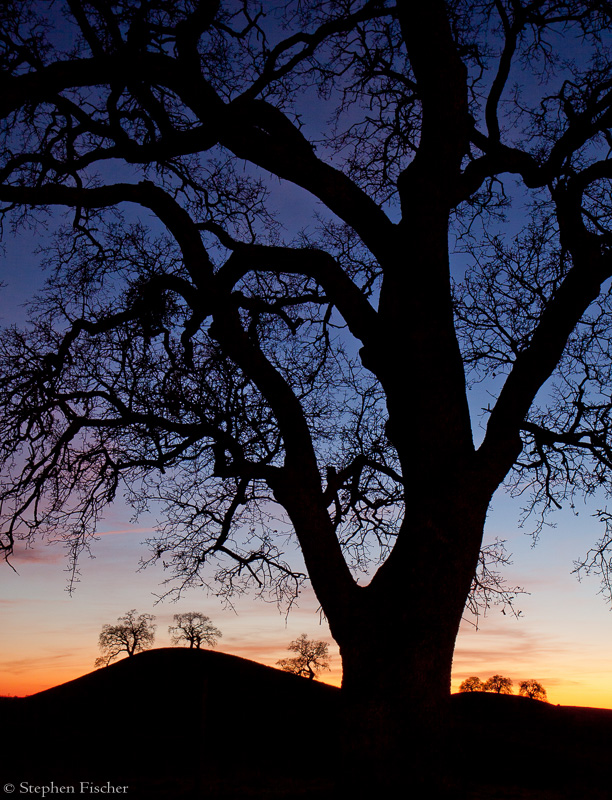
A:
[(303, 241), (132, 634), (498, 684), (532, 689), (209, 347), (472, 684), (195, 629), (312, 657)]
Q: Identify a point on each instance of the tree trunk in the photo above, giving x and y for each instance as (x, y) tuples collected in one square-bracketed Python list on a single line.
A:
[(397, 657), (395, 704), (395, 716)]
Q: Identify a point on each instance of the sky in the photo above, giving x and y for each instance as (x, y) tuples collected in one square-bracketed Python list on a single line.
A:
[(562, 636)]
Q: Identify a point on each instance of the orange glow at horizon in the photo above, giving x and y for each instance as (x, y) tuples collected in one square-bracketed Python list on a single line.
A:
[(25, 676), (49, 638), (563, 637)]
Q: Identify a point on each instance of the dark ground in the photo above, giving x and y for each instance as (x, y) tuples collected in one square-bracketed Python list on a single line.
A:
[(510, 748), (171, 723), (179, 723)]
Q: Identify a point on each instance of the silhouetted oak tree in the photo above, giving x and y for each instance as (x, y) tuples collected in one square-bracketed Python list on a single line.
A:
[(473, 684), (312, 657), (532, 689), (252, 309), (132, 634), (498, 684), (195, 629)]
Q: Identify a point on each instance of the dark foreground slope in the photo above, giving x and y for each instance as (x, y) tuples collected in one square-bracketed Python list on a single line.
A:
[(171, 722), (179, 723), (511, 747)]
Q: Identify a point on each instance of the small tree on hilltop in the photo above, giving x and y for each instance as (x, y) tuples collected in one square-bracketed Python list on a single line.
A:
[(498, 684), (473, 684), (532, 689), (194, 628), (312, 657), (131, 635)]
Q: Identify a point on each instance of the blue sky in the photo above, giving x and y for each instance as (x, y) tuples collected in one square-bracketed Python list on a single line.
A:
[(563, 636)]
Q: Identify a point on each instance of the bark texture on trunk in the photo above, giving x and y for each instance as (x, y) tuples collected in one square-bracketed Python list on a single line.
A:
[(397, 658), (395, 716)]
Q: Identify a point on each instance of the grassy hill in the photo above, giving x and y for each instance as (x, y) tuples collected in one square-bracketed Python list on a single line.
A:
[(511, 747), (194, 723), (171, 722)]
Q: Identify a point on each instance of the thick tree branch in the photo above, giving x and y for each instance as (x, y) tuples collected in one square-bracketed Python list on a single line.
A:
[(322, 552), (592, 265), (341, 290), (263, 135), (441, 79)]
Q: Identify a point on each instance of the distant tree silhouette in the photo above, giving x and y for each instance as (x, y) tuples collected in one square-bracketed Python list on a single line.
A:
[(533, 689), (473, 684), (312, 657), (194, 628), (131, 635), (498, 684)]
